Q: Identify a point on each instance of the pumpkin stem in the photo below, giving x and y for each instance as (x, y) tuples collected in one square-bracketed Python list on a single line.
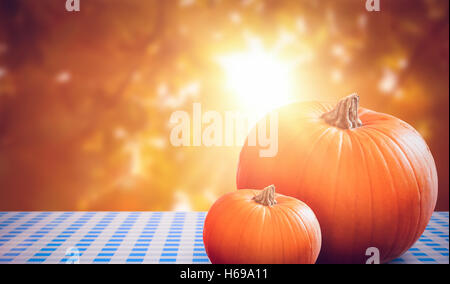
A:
[(345, 114), (267, 196)]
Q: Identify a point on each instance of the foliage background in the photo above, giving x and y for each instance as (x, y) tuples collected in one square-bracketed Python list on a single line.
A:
[(85, 98)]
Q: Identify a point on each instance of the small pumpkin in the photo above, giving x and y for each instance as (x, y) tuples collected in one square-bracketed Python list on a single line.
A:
[(369, 177), (254, 226)]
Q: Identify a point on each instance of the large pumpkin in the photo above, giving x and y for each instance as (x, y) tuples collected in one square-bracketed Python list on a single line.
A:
[(254, 226), (369, 177)]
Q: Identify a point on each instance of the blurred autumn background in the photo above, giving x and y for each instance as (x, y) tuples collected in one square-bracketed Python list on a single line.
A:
[(86, 97)]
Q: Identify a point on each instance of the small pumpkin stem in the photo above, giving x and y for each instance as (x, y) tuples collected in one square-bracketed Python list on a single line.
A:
[(345, 114), (267, 196)]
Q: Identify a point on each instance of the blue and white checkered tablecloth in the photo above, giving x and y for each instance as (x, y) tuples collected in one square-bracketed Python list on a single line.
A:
[(144, 237)]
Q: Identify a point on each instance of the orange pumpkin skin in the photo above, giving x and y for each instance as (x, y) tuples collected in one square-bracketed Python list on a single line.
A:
[(370, 186), (238, 230)]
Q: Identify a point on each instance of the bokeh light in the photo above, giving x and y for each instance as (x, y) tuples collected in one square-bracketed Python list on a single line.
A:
[(262, 80), (86, 97)]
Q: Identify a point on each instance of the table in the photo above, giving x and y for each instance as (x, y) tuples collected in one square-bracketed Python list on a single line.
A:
[(144, 237)]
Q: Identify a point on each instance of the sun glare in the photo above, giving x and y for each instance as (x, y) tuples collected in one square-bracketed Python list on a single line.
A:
[(259, 78)]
